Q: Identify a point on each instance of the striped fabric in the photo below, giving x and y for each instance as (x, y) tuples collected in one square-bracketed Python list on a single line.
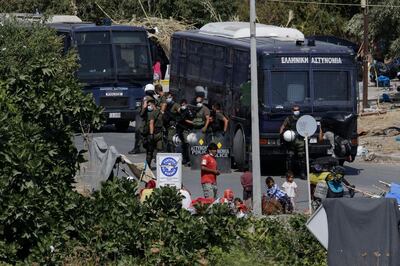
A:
[(275, 192)]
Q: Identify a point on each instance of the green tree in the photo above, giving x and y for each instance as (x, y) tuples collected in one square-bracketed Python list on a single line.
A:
[(41, 106), (33, 6), (310, 18), (383, 30)]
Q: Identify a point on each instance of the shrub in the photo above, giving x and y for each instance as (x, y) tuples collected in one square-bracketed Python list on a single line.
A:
[(41, 104)]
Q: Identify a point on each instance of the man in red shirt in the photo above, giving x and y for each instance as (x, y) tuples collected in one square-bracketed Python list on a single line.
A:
[(246, 180), (209, 172)]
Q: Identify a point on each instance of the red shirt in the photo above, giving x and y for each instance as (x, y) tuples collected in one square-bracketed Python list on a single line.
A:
[(247, 180), (208, 161)]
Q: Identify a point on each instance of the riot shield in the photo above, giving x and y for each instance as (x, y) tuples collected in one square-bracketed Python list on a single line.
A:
[(199, 141)]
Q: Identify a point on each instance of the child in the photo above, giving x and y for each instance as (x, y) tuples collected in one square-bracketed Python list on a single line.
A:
[(241, 210), (290, 187), (274, 192)]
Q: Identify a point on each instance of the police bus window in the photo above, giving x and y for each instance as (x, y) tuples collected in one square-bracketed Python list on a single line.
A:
[(331, 86), (289, 87)]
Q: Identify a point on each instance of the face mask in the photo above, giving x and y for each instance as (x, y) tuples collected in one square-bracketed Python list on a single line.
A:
[(199, 104), (149, 108), (156, 96), (183, 107), (169, 100), (296, 113)]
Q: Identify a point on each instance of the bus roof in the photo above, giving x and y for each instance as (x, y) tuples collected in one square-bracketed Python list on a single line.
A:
[(93, 27), (237, 30), (267, 44)]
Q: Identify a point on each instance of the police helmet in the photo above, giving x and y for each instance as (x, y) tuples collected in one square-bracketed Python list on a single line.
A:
[(149, 87), (289, 135), (176, 140)]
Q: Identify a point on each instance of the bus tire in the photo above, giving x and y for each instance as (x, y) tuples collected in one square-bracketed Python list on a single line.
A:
[(239, 149), (122, 125)]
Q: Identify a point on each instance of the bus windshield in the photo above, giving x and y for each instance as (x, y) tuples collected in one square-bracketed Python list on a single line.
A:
[(105, 56), (131, 54), (288, 87), (95, 55)]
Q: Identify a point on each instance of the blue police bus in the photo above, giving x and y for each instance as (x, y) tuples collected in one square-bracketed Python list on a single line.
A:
[(319, 77), (115, 65)]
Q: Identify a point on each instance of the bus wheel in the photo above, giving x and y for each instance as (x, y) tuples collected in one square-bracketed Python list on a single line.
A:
[(122, 125), (238, 149)]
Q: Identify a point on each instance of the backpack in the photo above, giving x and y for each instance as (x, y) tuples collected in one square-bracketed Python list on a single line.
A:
[(342, 147)]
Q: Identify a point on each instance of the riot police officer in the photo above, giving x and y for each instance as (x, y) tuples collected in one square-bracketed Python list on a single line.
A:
[(296, 148), (202, 116), (219, 122), (170, 118), (161, 100), (141, 118), (184, 127), (153, 129)]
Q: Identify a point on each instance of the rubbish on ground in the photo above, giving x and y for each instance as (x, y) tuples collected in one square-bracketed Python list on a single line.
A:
[(385, 98), (369, 111), (383, 81), (369, 157), (362, 151)]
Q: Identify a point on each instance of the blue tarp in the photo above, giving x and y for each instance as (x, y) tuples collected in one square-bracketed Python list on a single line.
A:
[(394, 192), (383, 81)]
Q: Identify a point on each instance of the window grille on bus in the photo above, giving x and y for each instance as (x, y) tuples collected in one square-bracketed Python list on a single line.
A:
[(114, 102)]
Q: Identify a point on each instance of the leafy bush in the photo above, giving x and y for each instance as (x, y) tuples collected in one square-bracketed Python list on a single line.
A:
[(41, 104)]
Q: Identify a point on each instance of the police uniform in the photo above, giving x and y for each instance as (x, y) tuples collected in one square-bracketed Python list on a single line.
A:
[(140, 121), (218, 124), (199, 120), (160, 101), (170, 122), (153, 142), (183, 130), (296, 147)]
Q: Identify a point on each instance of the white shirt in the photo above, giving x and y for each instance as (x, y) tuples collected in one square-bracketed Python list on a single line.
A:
[(290, 188), (186, 200)]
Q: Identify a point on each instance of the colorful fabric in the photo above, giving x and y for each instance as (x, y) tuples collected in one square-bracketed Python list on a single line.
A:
[(275, 192)]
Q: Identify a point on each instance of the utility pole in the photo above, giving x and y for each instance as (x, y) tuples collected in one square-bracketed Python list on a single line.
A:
[(364, 6), (255, 132)]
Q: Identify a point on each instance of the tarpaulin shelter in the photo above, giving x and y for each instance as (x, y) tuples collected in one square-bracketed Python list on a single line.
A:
[(363, 231)]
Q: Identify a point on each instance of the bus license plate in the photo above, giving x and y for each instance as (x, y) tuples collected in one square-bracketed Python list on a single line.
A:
[(115, 115), (313, 140)]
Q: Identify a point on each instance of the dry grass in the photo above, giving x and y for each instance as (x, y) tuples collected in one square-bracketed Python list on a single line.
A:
[(166, 27)]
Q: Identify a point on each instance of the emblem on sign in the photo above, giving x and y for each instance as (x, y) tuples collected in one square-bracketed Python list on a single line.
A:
[(169, 166), (201, 141)]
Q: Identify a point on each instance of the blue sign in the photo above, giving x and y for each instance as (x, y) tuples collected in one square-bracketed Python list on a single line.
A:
[(169, 166)]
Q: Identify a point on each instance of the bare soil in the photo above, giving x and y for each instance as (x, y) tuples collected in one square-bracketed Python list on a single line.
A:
[(377, 132)]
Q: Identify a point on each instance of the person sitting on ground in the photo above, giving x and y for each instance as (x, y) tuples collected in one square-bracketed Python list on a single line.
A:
[(274, 192), (227, 199), (147, 190), (228, 196), (186, 200), (241, 210)]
